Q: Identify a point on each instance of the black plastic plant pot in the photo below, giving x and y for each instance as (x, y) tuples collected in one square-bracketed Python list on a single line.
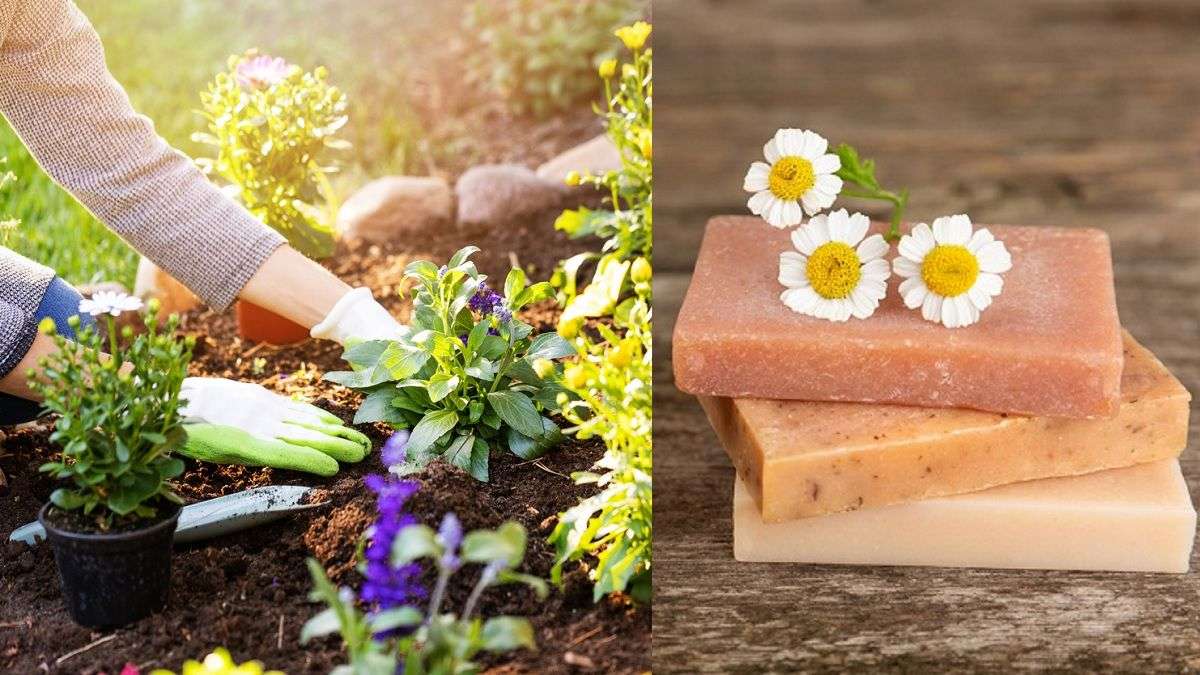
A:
[(114, 579)]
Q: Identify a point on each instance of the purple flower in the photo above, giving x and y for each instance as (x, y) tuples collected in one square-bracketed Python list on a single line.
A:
[(394, 448), (261, 72), (450, 535), (485, 299), (386, 586)]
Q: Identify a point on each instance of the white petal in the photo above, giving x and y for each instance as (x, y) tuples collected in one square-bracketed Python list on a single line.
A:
[(874, 246), (913, 291), (839, 222), (979, 298), (864, 304), (915, 247), (803, 240), (990, 284), (819, 229), (827, 165), (954, 230), (924, 236), (775, 214), (967, 314), (876, 269), (931, 309), (856, 228), (903, 267), (873, 288), (759, 202), (790, 142), (756, 177), (829, 184), (949, 313), (771, 151), (812, 202), (994, 258), (792, 213), (821, 198), (802, 300), (793, 269), (978, 240), (814, 145)]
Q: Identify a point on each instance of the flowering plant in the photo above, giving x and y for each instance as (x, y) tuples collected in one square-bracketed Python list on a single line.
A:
[(613, 384), (218, 662), (467, 374), (537, 54), (272, 125), (7, 225), (117, 427), (627, 226), (430, 642)]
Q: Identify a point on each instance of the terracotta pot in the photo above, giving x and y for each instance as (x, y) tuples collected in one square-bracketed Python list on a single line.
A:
[(262, 325)]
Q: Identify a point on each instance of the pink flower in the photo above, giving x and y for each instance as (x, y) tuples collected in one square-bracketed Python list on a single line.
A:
[(261, 72), (130, 669)]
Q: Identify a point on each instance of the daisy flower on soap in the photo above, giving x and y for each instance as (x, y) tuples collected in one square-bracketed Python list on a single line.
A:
[(835, 273), (949, 272), (798, 177)]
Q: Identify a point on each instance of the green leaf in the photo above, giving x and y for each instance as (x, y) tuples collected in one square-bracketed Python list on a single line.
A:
[(475, 338), (517, 411), (170, 468), (423, 270), (479, 460), (461, 256), (538, 584), (326, 622), (527, 447), (413, 543), (66, 500), (377, 407), (433, 426), (549, 346), (365, 354), (505, 633), (441, 385), (400, 617), (514, 283), (458, 452), (402, 360), (503, 544)]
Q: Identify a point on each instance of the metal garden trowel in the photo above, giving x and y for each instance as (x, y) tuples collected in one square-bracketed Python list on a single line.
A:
[(216, 517)]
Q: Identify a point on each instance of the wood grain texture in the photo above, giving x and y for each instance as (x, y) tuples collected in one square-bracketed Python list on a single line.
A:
[(1053, 112)]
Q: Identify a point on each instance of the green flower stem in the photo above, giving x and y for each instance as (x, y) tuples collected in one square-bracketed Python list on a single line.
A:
[(899, 204)]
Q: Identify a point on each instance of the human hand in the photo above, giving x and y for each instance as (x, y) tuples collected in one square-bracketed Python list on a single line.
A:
[(230, 422)]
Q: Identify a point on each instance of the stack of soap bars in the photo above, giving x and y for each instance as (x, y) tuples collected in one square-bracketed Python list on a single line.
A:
[(1042, 437)]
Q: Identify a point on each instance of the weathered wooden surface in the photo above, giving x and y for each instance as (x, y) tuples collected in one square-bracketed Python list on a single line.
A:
[(1064, 113)]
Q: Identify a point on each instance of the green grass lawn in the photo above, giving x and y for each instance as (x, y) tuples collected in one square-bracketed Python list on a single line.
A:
[(165, 51)]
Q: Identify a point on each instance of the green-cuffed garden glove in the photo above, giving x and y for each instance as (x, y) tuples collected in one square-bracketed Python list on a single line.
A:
[(241, 423)]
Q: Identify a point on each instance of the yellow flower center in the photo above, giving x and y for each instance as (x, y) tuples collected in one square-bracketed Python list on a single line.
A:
[(833, 270), (791, 177), (950, 270)]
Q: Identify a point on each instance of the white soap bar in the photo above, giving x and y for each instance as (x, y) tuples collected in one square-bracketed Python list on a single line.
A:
[(1136, 519)]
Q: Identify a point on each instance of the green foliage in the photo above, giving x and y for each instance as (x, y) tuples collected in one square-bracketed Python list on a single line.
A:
[(272, 139), (7, 225), (463, 377), (613, 383), (539, 55), (861, 173), (117, 428), (432, 642), (627, 225)]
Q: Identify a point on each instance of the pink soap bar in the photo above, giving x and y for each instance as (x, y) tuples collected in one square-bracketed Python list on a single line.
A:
[(1049, 345)]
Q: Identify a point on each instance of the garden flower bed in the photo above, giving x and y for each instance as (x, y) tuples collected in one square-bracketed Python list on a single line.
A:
[(249, 591)]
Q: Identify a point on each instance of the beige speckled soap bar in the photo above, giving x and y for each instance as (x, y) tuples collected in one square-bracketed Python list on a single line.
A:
[(1137, 519), (1050, 344), (805, 459)]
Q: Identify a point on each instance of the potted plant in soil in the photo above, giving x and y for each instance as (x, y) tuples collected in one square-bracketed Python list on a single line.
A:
[(272, 125), (111, 526)]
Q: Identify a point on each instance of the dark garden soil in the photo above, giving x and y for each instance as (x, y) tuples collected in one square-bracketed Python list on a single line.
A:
[(248, 591)]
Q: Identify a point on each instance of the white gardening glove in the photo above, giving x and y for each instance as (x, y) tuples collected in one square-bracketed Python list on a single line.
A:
[(232, 422), (357, 317)]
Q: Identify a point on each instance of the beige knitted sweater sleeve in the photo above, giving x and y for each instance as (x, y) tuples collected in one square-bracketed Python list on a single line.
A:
[(57, 93)]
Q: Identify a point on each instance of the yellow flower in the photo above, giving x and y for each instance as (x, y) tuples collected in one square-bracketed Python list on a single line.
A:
[(575, 377), (573, 178), (544, 368), (628, 70), (634, 36), (645, 141), (641, 271), (608, 68), (220, 662)]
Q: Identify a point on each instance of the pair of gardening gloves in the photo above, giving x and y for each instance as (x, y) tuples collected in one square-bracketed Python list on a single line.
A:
[(230, 422)]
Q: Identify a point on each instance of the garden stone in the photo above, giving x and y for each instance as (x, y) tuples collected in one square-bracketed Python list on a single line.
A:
[(596, 156), (388, 208), (505, 194), (154, 283)]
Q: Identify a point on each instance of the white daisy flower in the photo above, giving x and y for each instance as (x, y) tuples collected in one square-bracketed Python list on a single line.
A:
[(835, 273), (950, 273), (797, 172), (109, 302)]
